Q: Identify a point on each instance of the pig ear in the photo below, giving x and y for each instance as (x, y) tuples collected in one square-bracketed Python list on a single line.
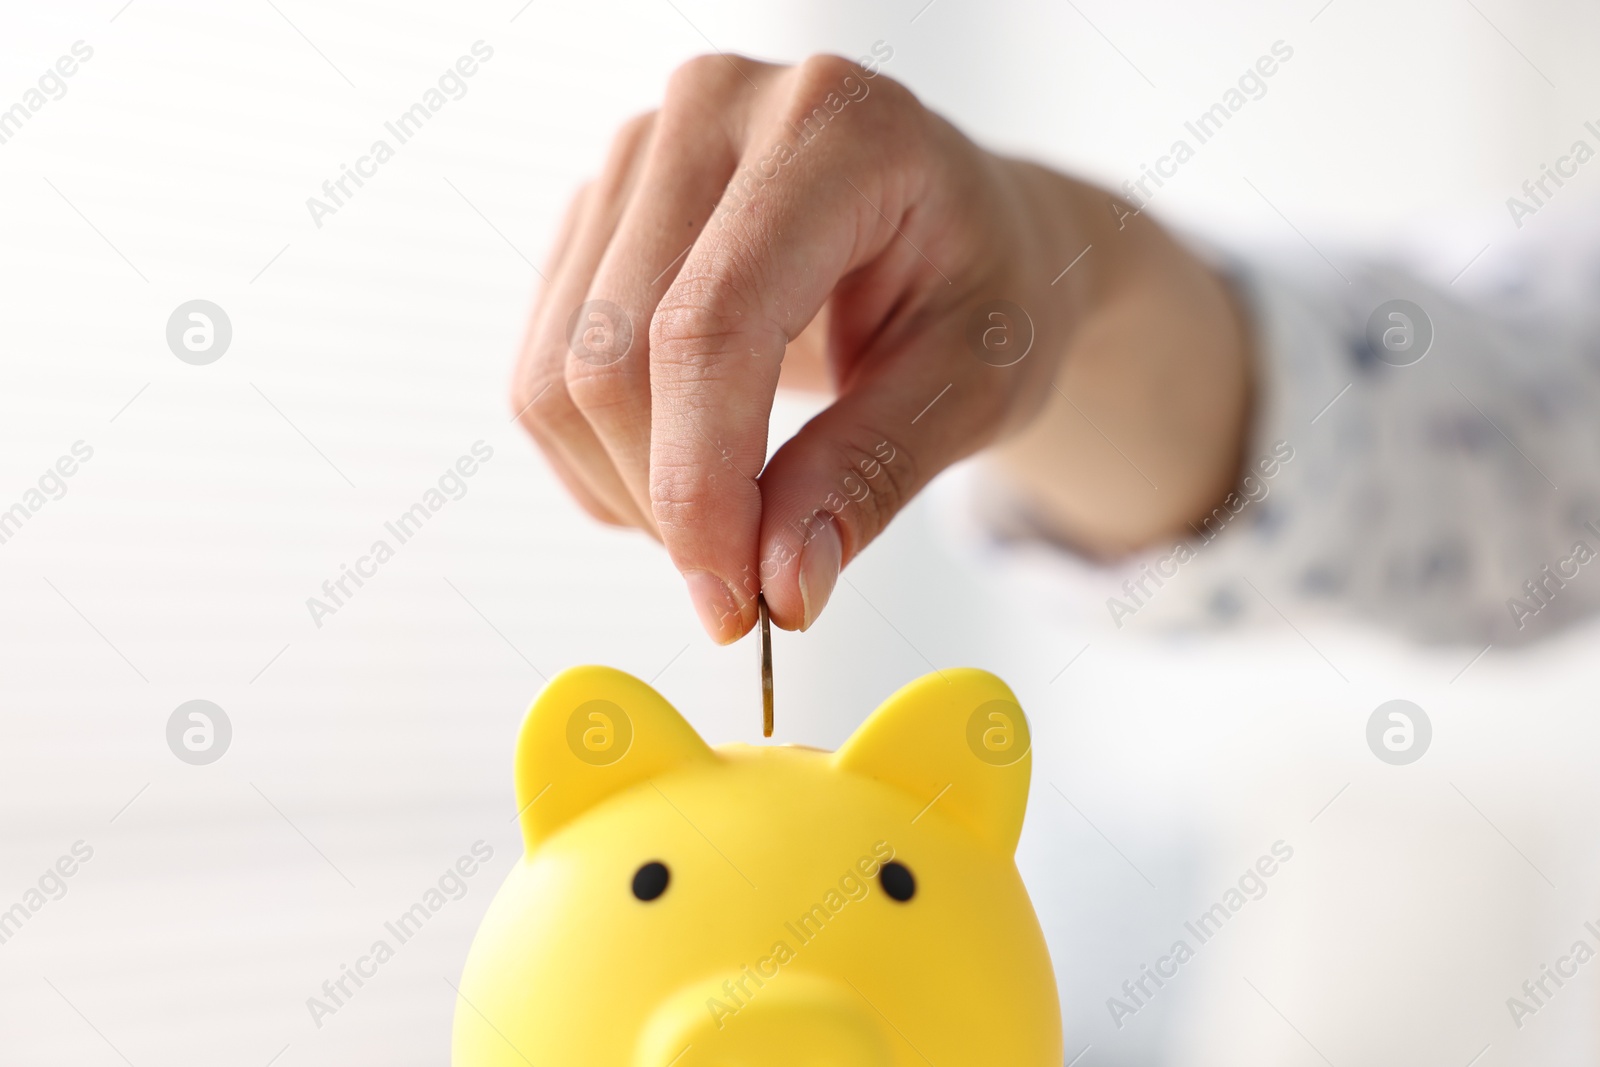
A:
[(592, 733), (958, 736)]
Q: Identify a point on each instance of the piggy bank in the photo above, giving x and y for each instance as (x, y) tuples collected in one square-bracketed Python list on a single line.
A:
[(684, 906)]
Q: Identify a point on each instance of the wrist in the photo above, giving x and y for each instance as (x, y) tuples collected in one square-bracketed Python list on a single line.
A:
[(1073, 262), (1143, 417)]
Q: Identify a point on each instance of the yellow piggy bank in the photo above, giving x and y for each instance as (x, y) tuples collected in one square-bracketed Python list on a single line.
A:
[(683, 906)]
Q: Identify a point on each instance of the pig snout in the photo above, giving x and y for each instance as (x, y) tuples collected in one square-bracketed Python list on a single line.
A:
[(793, 1020)]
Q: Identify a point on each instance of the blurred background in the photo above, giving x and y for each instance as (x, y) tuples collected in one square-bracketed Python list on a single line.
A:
[(368, 353)]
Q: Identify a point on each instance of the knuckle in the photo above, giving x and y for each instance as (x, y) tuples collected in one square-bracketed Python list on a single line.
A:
[(708, 319), (713, 72), (819, 73), (632, 132), (824, 86), (680, 494), (544, 409), (690, 323), (696, 488), (823, 77), (526, 391), (626, 144), (594, 388), (879, 478), (695, 71)]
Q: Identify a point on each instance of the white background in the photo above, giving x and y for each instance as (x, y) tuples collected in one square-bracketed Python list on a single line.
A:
[(372, 352)]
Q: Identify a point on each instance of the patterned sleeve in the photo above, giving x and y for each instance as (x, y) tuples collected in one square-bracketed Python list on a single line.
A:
[(1418, 460)]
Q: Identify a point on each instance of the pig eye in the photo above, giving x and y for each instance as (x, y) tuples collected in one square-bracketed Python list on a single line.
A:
[(650, 881), (897, 881)]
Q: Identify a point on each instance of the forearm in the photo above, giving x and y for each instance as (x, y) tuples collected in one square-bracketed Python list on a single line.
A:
[(1143, 431)]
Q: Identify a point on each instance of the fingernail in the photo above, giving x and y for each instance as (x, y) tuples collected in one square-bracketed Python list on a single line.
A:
[(714, 604), (819, 571)]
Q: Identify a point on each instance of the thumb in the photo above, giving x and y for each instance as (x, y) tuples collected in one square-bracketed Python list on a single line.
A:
[(837, 483)]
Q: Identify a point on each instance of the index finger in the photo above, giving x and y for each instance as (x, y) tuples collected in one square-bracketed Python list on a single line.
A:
[(800, 213)]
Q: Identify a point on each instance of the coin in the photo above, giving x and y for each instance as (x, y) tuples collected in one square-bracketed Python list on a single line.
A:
[(766, 665)]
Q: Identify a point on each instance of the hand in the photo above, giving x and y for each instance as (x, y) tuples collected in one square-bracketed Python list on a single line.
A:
[(821, 211)]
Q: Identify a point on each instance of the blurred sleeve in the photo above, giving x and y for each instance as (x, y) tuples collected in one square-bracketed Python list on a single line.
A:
[(1418, 460)]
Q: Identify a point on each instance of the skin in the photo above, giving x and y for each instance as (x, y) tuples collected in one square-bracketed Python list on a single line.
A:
[(860, 259)]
